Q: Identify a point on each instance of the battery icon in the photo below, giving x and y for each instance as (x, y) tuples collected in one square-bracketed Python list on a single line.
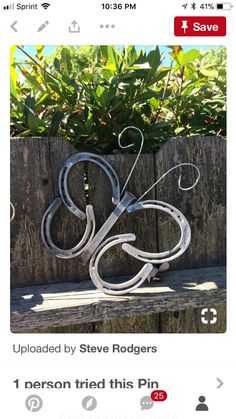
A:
[(224, 6)]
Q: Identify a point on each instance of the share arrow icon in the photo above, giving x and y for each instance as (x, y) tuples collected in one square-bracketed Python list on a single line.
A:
[(74, 27)]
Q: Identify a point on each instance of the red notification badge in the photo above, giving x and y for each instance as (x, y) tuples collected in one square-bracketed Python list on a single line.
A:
[(159, 395)]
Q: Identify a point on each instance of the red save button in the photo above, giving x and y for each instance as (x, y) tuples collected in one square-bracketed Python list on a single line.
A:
[(200, 26)]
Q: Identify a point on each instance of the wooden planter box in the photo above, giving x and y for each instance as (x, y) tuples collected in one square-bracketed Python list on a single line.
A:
[(50, 294)]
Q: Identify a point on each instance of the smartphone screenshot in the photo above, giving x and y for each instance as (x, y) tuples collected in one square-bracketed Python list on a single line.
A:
[(118, 288)]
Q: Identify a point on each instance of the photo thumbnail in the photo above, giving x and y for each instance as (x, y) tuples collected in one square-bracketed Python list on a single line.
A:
[(118, 184)]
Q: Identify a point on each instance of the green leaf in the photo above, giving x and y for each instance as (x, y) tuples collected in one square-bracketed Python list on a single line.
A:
[(110, 67), (145, 66), (145, 96), (209, 73), (187, 58), (99, 91), (130, 55), (190, 56), (179, 130), (178, 57), (215, 101), (44, 100), (154, 59), (30, 102), (13, 73), (35, 124), (104, 95), (66, 61), (56, 120), (104, 51), (107, 75), (158, 76), (39, 49), (32, 80), (29, 105), (54, 85), (56, 63), (112, 56), (155, 103)]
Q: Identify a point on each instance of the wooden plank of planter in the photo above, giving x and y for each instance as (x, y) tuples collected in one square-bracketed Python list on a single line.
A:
[(71, 304), (204, 206), (143, 223), (147, 323), (35, 165), (183, 321)]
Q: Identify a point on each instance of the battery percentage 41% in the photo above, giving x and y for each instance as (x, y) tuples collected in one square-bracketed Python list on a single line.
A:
[(207, 6)]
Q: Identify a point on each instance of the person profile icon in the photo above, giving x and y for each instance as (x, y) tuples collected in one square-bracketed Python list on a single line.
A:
[(202, 407)]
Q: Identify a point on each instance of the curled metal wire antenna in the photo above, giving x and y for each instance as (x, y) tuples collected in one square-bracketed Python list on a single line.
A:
[(128, 146), (13, 212), (179, 180)]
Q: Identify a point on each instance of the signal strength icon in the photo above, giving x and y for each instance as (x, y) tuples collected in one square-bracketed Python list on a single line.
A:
[(45, 5), (9, 7)]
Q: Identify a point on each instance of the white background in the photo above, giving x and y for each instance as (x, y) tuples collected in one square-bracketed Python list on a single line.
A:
[(187, 364)]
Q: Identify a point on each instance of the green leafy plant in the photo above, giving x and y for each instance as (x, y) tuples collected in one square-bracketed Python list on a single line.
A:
[(89, 94)]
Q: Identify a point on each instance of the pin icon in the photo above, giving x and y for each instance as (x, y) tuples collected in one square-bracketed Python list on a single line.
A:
[(34, 403), (184, 25)]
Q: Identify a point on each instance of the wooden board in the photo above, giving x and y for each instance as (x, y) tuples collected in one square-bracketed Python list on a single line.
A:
[(203, 206), (35, 165), (52, 306), (184, 321)]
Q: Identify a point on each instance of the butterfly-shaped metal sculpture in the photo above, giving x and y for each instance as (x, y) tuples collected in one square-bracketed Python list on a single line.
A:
[(93, 246)]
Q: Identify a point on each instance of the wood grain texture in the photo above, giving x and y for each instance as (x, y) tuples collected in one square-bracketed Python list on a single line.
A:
[(139, 324), (80, 328), (61, 305), (35, 165), (204, 206), (147, 323)]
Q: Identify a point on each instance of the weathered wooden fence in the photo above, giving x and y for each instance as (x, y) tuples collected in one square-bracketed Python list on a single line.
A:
[(35, 165)]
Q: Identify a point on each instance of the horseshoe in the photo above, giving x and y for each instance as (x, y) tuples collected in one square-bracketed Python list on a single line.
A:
[(63, 180), (46, 235), (169, 254), (124, 287), (70, 205)]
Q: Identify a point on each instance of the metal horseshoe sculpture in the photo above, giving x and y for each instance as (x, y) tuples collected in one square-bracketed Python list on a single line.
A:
[(92, 246)]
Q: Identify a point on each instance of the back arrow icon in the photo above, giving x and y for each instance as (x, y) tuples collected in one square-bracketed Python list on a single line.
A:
[(220, 383), (13, 26)]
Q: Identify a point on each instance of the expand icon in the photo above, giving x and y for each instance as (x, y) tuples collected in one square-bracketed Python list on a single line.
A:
[(209, 316), (92, 246)]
